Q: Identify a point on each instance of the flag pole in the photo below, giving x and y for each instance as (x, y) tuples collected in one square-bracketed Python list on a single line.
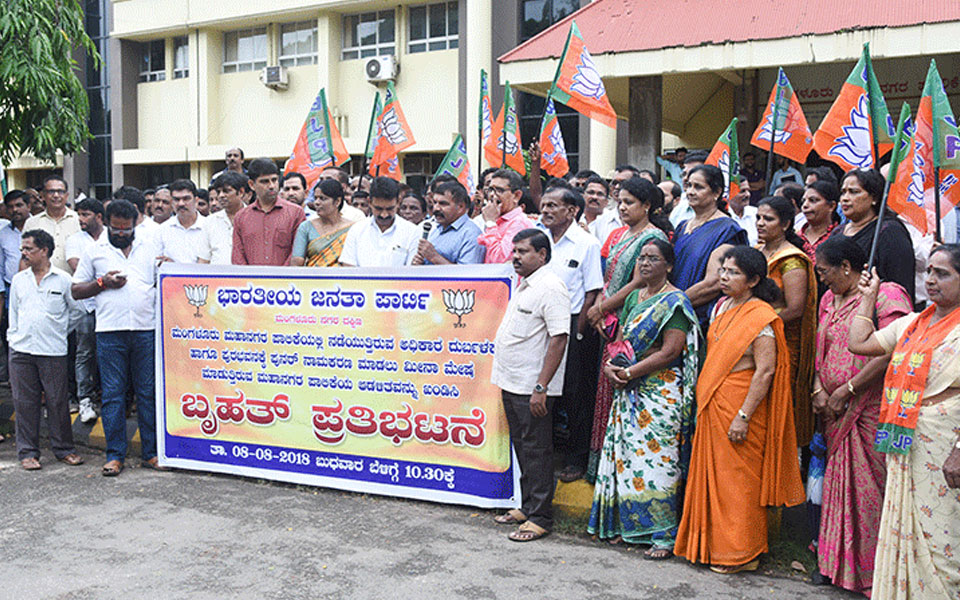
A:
[(891, 175), (936, 199), (480, 131), (870, 100), (773, 137), (363, 164)]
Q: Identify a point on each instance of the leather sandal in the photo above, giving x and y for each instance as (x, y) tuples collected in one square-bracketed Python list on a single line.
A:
[(153, 463), (31, 464), (655, 553), (731, 569), (571, 473), (511, 517), (112, 468), (528, 532), (73, 459)]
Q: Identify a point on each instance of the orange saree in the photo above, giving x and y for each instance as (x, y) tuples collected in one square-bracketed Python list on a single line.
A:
[(730, 485)]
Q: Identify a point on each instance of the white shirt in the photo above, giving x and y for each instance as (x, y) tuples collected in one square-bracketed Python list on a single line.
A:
[(748, 221), (605, 223), (367, 246), (538, 310), (76, 245), (68, 225), (923, 244), (575, 259), (217, 245), (150, 225), (351, 213), (40, 315), (131, 307), (681, 211), (179, 243)]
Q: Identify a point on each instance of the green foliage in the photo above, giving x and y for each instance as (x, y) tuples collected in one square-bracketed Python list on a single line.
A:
[(43, 105)]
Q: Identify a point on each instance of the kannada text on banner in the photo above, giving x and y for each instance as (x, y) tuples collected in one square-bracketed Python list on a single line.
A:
[(367, 380)]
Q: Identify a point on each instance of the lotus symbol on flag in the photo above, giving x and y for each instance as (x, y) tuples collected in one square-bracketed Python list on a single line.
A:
[(782, 135), (508, 142), (487, 121), (196, 296), (917, 178), (854, 146), (460, 303), (392, 128), (587, 80), (723, 163)]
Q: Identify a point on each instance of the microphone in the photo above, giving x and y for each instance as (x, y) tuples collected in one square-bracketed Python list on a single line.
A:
[(427, 226)]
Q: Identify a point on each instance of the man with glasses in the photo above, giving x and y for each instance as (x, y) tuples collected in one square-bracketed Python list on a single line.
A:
[(121, 275), (57, 220), (503, 217)]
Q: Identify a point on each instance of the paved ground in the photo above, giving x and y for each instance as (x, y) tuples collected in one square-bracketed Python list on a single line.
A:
[(69, 533)]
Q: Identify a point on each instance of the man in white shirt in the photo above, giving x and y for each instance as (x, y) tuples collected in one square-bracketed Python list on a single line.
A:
[(162, 205), (681, 211), (575, 259), (120, 273), (90, 213), (40, 311), (744, 214), (233, 192), (294, 189), (182, 238), (382, 239), (57, 220), (133, 195), (348, 211), (528, 368), (596, 194)]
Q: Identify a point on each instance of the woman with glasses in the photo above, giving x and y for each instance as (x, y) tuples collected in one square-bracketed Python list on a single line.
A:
[(744, 448), (637, 497), (639, 202)]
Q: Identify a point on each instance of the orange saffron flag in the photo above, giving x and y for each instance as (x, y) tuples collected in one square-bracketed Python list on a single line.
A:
[(578, 84), (793, 137)]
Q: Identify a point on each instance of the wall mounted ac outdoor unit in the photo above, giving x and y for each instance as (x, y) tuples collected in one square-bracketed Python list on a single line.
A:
[(274, 78), (381, 68)]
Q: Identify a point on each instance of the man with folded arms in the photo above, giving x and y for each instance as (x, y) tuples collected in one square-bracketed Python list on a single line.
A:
[(40, 311)]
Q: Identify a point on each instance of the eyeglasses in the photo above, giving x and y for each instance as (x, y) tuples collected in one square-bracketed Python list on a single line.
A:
[(55, 192), (120, 231), (498, 190), (650, 259)]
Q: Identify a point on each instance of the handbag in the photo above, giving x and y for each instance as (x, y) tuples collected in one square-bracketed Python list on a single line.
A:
[(622, 356), (610, 323)]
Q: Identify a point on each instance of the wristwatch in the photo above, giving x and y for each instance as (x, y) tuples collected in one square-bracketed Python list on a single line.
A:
[(539, 389)]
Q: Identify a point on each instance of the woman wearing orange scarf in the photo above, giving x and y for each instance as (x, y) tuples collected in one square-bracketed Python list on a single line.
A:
[(918, 556), (744, 447)]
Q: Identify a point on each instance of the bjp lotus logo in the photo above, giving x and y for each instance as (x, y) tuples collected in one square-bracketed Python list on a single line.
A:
[(196, 296), (460, 303), (916, 359)]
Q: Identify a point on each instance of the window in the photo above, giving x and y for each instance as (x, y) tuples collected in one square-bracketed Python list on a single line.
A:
[(537, 15), (99, 163), (152, 61), (418, 169), (245, 50), (298, 44), (369, 34), (434, 27), (181, 58)]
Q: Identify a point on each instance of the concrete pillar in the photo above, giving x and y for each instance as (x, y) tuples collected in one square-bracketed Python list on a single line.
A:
[(745, 107), (328, 72), (646, 121), (603, 148), (476, 19), (123, 102), (205, 86)]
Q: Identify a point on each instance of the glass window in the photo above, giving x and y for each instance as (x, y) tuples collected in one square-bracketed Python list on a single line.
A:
[(434, 27), (537, 15), (298, 44), (245, 50), (152, 57), (181, 58), (368, 34)]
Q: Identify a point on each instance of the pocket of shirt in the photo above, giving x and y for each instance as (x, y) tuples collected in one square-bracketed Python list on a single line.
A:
[(54, 303)]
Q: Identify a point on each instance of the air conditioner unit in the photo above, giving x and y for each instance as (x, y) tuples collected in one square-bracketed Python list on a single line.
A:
[(381, 68), (274, 78)]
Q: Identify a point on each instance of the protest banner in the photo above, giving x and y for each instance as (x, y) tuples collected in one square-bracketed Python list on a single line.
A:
[(369, 380)]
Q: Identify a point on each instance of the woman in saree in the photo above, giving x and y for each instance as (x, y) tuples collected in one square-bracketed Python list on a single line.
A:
[(744, 455), (847, 393), (919, 426), (319, 241), (639, 203), (700, 242), (792, 270), (638, 493)]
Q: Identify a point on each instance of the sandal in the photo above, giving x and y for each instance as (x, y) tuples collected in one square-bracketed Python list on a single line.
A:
[(570, 473), (73, 459), (655, 553), (731, 569), (153, 463), (112, 468), (31, 464), (528, 532), (511, 517)]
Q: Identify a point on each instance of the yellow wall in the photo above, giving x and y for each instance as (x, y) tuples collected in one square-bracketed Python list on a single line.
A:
[(164, 114)]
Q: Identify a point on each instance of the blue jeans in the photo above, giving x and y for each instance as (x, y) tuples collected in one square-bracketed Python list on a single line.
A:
[(119, 354)]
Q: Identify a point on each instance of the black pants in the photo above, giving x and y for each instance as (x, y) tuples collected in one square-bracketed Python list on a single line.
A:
[(32, 377), (580, 393), (532, 439)]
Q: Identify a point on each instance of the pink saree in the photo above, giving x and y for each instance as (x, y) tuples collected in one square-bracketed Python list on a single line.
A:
[(855, 475)]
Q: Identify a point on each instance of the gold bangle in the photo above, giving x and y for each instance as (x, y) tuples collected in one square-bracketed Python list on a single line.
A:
[(817, 391), (850, 389), (867, 319)]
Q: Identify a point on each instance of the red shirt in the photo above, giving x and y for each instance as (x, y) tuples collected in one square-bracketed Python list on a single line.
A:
[(811, 249), (265, 238)]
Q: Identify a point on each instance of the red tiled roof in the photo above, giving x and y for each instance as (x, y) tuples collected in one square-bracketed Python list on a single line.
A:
[(634, 25)]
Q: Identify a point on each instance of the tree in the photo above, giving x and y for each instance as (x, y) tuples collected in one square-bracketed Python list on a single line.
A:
[(43, 105)]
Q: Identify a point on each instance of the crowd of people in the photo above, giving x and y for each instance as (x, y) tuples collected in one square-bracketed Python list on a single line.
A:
[(682, 351)]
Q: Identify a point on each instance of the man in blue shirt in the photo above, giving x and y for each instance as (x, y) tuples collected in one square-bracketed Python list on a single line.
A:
[(454, 238), (785, 173)]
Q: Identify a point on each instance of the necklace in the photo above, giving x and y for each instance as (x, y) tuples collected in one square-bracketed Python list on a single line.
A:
[(696, 223), (732, 312), (642, 298)]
